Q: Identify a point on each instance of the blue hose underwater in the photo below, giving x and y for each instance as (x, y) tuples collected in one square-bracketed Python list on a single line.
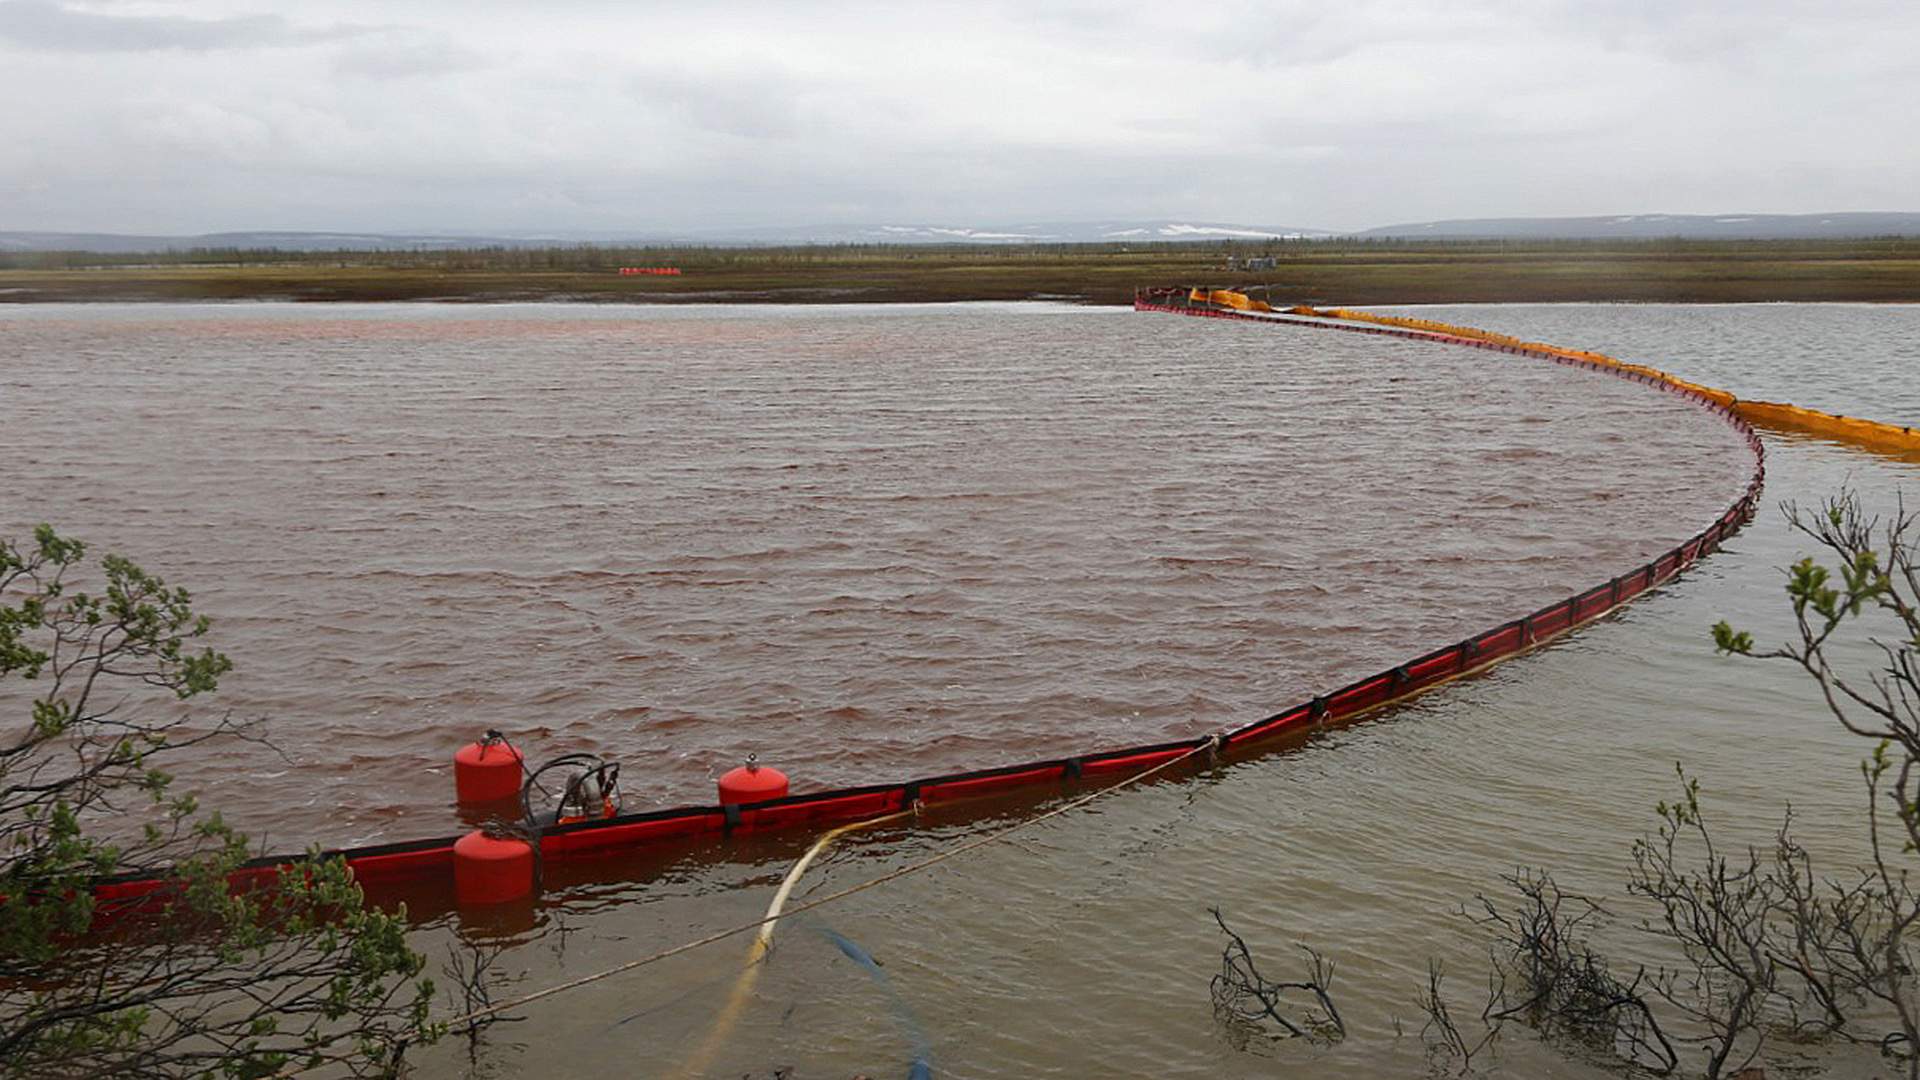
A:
[(921, 1068)]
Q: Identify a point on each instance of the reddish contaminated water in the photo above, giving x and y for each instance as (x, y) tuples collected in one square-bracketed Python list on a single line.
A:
[(873, 542), (865, 543)]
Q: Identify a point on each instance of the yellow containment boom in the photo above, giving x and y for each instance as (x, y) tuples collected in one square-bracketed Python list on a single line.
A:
[(1770, 414), (1238, 301), (1869, 433)]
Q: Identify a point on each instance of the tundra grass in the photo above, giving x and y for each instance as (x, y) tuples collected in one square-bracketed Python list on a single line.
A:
[(1312, 272)]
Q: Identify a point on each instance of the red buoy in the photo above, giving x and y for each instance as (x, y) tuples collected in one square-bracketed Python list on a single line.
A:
[(489, 870), (752, 783), (487, 771)]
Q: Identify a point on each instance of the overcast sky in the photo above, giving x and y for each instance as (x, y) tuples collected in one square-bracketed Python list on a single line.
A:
[(631, 116)]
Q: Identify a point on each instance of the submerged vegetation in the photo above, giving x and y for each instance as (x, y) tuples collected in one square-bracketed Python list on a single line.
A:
[(194, 980), (1760, 955), (1309, 271)]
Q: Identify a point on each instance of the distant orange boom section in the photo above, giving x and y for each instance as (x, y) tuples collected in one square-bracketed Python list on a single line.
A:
[(1872, 434)]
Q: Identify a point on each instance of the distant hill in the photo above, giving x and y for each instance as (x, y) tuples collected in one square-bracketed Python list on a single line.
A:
[(1620, 227), (122, 243), (1660, 226), (1046, 232), (1025, 233)]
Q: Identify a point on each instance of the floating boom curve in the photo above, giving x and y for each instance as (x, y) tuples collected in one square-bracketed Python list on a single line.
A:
[(391, 870), (1872, 434)]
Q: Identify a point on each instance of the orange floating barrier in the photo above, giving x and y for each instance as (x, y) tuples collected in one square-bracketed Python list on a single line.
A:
[(487, 771), (1872, 434), (752, 782), (491, 870)]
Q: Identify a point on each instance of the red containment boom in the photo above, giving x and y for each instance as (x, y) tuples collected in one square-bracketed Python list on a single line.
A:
[(490, 869), (487, 771)]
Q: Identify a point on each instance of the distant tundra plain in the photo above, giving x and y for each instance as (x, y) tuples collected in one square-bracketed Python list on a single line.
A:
[(1309, 271)]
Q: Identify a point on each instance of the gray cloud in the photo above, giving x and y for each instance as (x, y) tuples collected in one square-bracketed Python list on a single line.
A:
[(760, 104), (41, 24), (633, 116), (407, 55)]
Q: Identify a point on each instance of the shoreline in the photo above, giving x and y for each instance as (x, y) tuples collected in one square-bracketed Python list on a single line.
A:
[(792, 301), (1882, 271)]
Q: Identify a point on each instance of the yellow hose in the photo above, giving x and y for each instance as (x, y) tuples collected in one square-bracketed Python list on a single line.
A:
[(698, 1062)]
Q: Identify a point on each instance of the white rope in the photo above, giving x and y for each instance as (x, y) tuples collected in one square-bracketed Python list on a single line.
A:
[(1212, 743), (729, 1014)]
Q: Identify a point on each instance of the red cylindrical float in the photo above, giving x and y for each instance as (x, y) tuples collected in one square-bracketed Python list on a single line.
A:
[(486, 771), (490, 870), (752, 782)]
